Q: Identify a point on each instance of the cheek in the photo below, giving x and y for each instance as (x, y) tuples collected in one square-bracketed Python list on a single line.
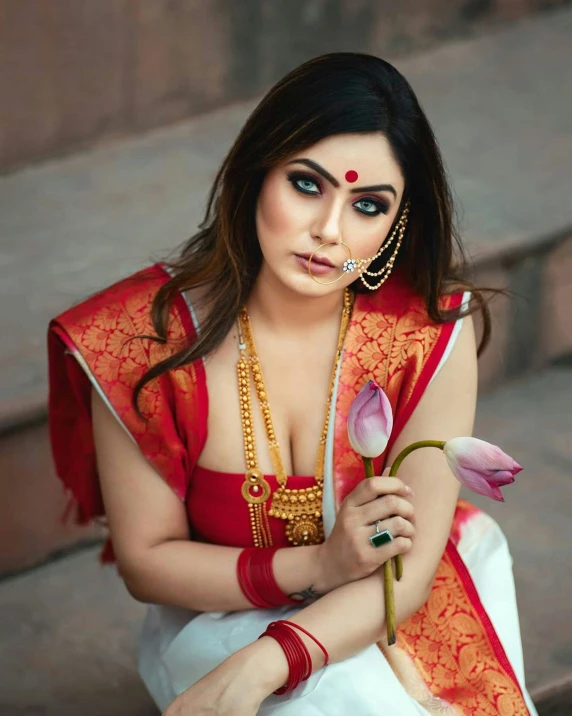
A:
[(278, 213), (366, 235), (272, 215)]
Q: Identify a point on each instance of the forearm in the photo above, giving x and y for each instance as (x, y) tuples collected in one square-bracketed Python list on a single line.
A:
[(203, 577), (345, 621), (360, 606)]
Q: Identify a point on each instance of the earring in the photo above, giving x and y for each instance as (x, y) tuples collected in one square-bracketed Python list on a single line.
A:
[(352, 264)]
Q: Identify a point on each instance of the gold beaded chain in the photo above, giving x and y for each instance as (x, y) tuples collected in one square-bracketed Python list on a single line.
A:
[(301, 509), (384, 272), (255, 489)]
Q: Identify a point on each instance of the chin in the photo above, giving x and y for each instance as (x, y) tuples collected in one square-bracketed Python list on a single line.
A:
[(304, 285), (298, 281)]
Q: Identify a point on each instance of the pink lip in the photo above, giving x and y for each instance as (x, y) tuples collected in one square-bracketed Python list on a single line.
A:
[(317, 259), (318, 269)]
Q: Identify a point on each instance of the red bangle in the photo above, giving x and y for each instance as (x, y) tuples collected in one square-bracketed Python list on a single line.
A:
[(296, 652), (245, 582), (256, 578), (307, 633)]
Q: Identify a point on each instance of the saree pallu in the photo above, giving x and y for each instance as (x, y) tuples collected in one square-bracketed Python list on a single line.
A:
[(459, 654)]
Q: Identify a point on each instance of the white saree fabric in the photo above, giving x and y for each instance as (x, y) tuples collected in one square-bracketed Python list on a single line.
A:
[(178, 647)]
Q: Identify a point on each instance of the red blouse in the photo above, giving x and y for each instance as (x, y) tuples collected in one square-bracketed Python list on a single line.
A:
[(218, 513)]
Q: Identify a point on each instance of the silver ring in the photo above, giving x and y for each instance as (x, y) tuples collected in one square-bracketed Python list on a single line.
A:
[(380, 537)]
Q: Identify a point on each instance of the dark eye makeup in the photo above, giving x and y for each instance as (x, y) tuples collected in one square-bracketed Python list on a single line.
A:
[(303, 183), (298, 180)]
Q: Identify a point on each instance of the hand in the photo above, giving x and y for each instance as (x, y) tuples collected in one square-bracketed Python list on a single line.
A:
[(238, 686), (209, 697), (348, 555)]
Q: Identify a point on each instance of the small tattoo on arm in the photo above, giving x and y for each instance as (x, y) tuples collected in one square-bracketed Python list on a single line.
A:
[(305, 594)]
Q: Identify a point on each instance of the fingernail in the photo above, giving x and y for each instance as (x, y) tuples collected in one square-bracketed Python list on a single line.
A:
[(409, 491)]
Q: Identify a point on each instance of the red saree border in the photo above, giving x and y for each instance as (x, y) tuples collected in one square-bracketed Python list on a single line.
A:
[(473, 596), (450, 640), (90, 344), (426, 374), (184, 308), (466, 579)]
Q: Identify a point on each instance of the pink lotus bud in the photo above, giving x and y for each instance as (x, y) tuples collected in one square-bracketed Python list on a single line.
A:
[(480, 466), (370, 421)]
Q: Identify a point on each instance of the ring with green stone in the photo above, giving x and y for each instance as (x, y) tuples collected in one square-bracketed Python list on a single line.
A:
[(380, 538)]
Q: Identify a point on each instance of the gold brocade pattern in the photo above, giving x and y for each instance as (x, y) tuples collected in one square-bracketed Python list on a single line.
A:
[(103, 330), (449, 644), (387, 348), (447, 654)]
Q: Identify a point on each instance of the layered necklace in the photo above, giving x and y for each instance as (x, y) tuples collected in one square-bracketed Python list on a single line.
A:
[(301, 509)]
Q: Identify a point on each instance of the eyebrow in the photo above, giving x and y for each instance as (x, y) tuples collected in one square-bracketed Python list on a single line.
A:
[(376, 187), (317, 168), (334, 182)]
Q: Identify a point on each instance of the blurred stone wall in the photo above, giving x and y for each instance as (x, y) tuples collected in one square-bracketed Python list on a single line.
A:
[(73, 72)]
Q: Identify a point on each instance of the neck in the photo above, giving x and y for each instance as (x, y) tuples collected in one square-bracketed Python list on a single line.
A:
[(288, 311)]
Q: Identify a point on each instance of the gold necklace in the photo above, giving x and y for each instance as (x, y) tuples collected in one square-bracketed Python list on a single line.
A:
[(301, 509)]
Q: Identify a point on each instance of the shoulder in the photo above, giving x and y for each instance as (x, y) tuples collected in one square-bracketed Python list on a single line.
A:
[(393, 336), (102, 327)]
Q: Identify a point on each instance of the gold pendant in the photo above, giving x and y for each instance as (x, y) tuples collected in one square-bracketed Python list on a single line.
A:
[(302, 509), (255, 488), (305, 530)]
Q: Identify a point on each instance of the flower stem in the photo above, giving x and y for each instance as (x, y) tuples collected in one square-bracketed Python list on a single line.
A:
[(398, 559), (387, 575), (393, 472), (389, 602), (368, 465), (410, 448)]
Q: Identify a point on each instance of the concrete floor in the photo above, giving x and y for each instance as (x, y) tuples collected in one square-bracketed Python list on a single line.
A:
[(68, 630)]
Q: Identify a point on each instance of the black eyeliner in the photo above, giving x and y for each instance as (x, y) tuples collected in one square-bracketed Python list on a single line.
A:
[(294, 176)]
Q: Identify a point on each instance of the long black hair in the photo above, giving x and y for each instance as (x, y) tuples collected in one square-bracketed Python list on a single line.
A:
[(338, 93)]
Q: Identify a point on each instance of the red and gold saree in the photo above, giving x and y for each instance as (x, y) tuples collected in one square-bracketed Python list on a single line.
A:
[(459, 654)]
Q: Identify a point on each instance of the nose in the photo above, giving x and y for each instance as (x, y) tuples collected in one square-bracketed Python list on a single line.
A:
[(328, 223)]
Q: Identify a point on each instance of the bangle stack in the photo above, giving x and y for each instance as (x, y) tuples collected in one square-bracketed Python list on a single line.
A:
[(256, 578), (297, 654)]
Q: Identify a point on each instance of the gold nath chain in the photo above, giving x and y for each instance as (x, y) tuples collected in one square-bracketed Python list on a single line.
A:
[(301, 509)]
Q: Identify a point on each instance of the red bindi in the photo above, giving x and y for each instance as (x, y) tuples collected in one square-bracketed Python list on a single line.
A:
[(351, 176)]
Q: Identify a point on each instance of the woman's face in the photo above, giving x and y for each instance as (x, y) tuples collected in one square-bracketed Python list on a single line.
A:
[(346, 188)]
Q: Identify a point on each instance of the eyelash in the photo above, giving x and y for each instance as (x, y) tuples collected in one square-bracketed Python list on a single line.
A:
[(295, 177)]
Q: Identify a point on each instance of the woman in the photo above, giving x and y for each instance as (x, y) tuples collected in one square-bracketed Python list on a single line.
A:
[(202, 407)]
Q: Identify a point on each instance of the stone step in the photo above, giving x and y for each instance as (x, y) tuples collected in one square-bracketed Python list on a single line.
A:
[(532, 421), (501, 110), (68, 629)]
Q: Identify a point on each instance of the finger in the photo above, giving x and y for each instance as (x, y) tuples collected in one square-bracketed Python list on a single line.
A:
[(385, 507), (374, 487), (398, 545), (397, 525)]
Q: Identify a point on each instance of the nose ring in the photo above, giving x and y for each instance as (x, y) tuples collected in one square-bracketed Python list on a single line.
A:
[(350, 264)]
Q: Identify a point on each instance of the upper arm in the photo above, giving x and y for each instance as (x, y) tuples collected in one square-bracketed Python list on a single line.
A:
[(142, 510), (446, 410)]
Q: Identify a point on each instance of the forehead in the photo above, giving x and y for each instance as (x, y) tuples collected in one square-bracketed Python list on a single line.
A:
[(369, 155)]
